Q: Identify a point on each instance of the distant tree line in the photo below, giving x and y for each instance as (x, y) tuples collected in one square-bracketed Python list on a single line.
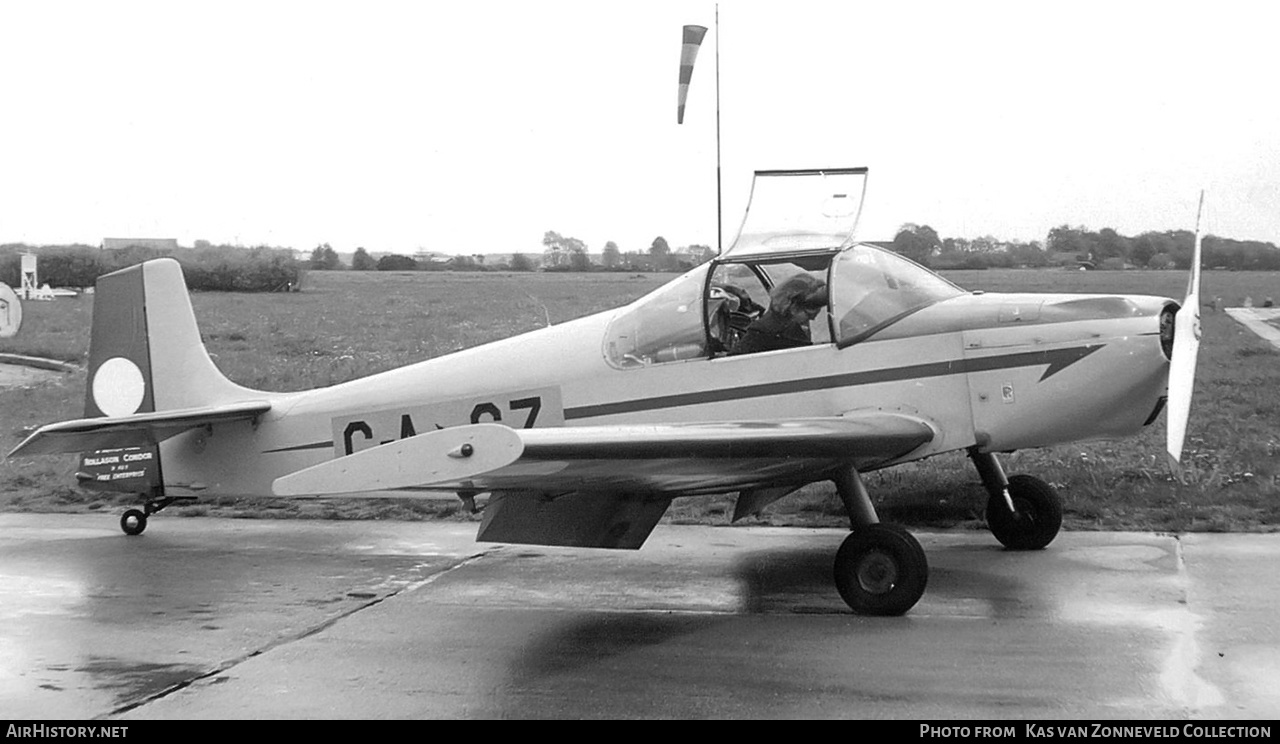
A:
[(325, 258), (207, 267), (1079, 246), (570, 254), (267, 269), (560, 253)]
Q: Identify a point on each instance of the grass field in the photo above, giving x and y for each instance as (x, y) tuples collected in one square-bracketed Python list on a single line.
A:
[(345, 325)]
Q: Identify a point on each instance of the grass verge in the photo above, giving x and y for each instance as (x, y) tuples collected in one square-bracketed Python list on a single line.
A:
[(351, 324)]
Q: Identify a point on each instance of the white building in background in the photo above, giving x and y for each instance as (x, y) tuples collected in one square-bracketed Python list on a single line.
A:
[(431, 257), (30, 289), (29, 279)]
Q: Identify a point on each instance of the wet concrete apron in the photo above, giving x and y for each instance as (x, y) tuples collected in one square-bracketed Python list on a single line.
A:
[(210, 618)]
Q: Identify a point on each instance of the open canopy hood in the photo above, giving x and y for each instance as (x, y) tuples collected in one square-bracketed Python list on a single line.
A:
[(800, 211)]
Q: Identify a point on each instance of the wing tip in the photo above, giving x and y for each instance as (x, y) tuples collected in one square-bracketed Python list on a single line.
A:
[(437, 457)]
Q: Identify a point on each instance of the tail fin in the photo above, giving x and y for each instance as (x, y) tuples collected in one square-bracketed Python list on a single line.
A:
[(145, 354), (150, 377)]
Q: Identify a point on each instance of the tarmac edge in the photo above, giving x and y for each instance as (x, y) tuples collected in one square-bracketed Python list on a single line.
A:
[(39, 363)]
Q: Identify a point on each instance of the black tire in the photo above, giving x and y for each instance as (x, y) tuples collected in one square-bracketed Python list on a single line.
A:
[(1038, 517), (133, 522), (881, 570)]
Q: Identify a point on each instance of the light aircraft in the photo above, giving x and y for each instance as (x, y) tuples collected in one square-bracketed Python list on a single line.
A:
[(584, 432)]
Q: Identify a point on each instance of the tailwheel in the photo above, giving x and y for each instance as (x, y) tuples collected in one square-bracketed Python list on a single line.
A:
[(1037, 515), (881, 569), (133, 522)]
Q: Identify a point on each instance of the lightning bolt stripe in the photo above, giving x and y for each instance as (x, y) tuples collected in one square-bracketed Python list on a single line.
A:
[(1056, 359)]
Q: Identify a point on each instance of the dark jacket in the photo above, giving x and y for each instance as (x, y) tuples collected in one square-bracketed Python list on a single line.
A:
[(769, 332)]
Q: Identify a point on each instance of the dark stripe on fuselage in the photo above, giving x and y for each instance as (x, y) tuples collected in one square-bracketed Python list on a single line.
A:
[(301, 447), (1056, 359)]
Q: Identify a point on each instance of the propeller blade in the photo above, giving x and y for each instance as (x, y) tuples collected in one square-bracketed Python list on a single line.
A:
[(1186, 347)]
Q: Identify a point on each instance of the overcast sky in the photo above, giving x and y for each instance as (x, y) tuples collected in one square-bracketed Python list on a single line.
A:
[(477, 127)]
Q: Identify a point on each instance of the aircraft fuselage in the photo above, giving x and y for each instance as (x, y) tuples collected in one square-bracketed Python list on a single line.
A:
[(999, 372)]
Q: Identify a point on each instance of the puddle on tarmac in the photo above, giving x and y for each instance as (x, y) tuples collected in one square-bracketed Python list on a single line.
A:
[(130, 680)]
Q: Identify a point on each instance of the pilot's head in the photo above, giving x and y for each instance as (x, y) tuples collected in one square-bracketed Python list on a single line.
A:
[(799, 298)]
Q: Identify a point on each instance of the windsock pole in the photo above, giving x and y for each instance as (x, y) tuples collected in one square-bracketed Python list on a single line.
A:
[(692, 41), (719, 216)]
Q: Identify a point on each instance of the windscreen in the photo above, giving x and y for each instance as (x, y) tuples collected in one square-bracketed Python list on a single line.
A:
[(873, 288)]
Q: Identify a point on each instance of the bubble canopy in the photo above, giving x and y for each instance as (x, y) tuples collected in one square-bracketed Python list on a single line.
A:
[(792, 211)]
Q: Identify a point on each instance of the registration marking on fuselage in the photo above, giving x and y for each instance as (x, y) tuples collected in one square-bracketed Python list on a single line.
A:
[(520, 409)]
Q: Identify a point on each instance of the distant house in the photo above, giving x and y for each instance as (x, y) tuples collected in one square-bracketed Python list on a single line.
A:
[(431, 258), (694, 255), (555, 256), (1068, 260), (160, 244)]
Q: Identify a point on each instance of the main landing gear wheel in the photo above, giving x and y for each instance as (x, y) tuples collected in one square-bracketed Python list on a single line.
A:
[(1037, 518), (881, 570), (133, 522)]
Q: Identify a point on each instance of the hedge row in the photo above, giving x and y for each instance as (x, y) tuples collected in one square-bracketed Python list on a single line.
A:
[(215, 268)]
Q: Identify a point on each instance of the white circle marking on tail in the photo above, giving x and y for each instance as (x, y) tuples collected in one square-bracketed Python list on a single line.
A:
[(118, 387)]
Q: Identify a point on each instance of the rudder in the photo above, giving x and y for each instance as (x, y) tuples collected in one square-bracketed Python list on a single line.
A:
[(119, 357), (145, 352)]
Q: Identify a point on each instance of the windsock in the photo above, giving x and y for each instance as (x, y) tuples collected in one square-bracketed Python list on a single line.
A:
[(688, 54)]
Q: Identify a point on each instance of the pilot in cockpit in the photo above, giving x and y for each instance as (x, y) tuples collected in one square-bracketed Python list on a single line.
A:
[(785, 325)]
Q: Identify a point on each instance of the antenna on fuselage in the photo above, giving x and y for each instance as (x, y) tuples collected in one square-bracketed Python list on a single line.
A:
[(719, 215)]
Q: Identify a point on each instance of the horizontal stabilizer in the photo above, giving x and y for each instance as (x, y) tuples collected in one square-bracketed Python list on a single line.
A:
[(447, 455), (135, 430)]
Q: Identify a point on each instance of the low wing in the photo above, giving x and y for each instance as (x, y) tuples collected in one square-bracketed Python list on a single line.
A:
[(607, 486), (691, 459), (107, 432), (667, 459)]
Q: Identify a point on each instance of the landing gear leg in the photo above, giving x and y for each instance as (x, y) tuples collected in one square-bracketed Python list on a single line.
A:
[(880, 569), (1023, 512), (134, 521)]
